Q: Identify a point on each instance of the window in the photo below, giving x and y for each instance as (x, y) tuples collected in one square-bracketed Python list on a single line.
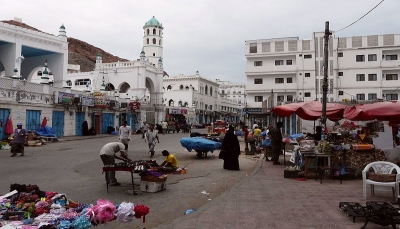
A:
[(279, 80), (372, 96), (289, 98), (360, 96), (181, 87), (154, 31), (280, 98), (341, 93), (340, 73), (253, 47), (278, 62), (159, 42), (82, 82), (289, 80), (211, 91), (154, 54), (154, 41), (391, 77), (205, 106), (308, 56), (307, 74), (372, 77), (258, 98), (258, 81), (392, 96), (211, 107), (360, 77), (206, 90), (372, 57), (340, 54), (288, 62), (148, 31), (391, 57), (360, 58), (148, 41), (257, 63), (307, 94)]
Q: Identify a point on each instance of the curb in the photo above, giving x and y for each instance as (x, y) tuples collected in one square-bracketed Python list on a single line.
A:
[(83, 138)]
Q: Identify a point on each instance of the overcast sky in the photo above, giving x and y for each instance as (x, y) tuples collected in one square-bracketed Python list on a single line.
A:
[(204, 35)]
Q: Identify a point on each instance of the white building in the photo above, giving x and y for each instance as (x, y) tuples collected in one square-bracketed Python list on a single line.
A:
[(138, 80), (197, 98), (285, 70), (233, 91)]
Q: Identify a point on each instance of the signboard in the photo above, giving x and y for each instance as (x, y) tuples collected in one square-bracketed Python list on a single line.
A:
[(65, 98), (254, 110), (87, 101), (134, 106), (100, 100), (177, 111)]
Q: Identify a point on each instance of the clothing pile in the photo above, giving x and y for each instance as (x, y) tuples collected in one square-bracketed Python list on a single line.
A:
[(140, 165), (27, 207)]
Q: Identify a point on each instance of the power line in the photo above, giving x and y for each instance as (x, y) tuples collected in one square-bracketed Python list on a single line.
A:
[(360, 17)]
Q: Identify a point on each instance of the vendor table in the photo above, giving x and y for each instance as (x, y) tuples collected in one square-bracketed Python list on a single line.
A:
[(114, 169), (307, 155)]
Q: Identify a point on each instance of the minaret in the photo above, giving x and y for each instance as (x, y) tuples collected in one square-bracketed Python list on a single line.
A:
[(62, 34), (153, 40), (99, 60), (160, 64), (45, 75), (16, 75)]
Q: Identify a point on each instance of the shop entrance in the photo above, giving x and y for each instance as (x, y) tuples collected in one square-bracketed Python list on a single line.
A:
[(79, 119), (58, 123), (32, 121)]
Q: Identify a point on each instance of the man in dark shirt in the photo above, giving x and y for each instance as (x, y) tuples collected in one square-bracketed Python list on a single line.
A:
[(276, 141)]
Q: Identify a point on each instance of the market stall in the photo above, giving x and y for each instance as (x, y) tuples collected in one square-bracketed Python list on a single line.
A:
[(28, 207)]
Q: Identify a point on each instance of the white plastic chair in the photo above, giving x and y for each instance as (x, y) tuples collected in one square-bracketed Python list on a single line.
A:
[(382, 167)]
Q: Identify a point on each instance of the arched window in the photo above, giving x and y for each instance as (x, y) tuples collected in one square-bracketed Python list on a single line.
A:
[(180, 103), (169, 88), (148, 41), (159, 42), (211, 91), (171, 103), (185, 104), (163, 88), (187, 87), (206, 90), (181, 87), (148, 31), (154, 41), (39, 73), (159, 32), (154, 31)]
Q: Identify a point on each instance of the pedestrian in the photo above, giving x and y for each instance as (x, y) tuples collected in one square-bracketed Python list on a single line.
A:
[(164, 126), (18, 141), (151, 137), (170, 163), (107, 155), (125, 133), (230, 150), (246, 136), (145, 128), (276, 141)]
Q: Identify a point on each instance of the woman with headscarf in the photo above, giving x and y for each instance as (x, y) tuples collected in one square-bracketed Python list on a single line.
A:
[(231, 150)]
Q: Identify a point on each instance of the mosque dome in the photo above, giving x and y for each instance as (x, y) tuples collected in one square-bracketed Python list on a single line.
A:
[(153, 22), (62, 26)]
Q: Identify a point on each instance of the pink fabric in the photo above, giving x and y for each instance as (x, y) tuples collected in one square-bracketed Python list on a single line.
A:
[(44, 122), (311, 110), (383, 111), (9, 127)]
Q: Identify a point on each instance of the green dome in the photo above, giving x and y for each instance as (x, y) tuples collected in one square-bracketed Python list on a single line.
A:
[(62, 26), (15, 69), (45, 71), (160, 60), (142, 52), (153, 22)]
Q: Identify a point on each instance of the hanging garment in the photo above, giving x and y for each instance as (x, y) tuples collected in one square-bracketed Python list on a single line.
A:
[(9, 127), (44, 122)]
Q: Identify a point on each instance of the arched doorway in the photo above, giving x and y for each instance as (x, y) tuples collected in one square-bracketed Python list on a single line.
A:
[(124, 87), (110, 87)]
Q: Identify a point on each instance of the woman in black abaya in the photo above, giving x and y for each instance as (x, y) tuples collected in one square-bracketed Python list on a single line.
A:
[(230, 150)]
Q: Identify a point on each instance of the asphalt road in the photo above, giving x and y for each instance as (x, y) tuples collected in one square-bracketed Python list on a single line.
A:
[(74, 168)]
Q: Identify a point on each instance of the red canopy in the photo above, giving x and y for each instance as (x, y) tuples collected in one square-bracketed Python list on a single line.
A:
[(311, 110), (383, 111)]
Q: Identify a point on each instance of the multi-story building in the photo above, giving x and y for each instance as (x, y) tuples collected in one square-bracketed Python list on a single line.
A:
[(233, 91), (286, 70), (197, 98)]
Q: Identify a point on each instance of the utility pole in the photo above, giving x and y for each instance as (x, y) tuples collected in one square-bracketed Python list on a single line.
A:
[(325, 81)]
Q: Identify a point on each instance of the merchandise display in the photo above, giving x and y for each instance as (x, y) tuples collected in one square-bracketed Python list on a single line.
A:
[(27, 207)]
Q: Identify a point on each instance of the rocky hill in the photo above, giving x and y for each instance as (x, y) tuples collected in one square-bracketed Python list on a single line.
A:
[(79, 52)]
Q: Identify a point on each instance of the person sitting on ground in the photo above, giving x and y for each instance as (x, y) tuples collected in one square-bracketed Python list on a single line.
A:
[(107, 155), (170, 163)]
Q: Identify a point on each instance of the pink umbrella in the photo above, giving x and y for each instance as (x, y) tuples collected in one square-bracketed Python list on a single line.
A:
[(383, 111), (311, 110)]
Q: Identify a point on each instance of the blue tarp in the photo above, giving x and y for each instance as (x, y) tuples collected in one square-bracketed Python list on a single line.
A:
[(200, 144), (45, 131), (265, 143), (294, 136), (239, 133)]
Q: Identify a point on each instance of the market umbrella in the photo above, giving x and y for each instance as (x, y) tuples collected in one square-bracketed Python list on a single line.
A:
[(382, 111), (311, 110)]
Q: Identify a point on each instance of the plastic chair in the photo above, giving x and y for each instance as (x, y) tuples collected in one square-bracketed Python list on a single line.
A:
[(382, 167)]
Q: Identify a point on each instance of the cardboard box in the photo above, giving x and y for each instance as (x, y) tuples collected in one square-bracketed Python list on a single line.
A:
[(148, 186)]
